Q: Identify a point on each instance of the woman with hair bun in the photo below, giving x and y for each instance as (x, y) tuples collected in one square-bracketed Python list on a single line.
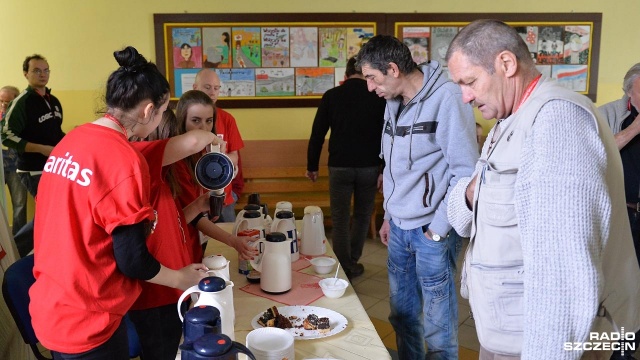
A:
[(93, 217)]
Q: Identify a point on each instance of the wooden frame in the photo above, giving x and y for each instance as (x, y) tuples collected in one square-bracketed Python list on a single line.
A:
[(580, 72)]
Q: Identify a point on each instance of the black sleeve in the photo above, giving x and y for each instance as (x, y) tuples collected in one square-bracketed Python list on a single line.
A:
[(321, 125), (131, 252)]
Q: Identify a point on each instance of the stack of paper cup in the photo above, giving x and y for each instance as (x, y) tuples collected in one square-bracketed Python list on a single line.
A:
[(271, 343)]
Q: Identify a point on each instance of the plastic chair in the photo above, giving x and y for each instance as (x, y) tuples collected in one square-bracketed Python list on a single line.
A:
[(135, 349), (15, 289)]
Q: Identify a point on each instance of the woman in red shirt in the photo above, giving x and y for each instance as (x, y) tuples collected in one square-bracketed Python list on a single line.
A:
[(154, 313), (195, 111), (93, 215)]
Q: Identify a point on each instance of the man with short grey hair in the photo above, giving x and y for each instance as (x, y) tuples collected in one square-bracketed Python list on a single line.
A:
[(550, 259)]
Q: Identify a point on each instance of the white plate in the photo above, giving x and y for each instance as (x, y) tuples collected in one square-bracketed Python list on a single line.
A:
[(337, 322)]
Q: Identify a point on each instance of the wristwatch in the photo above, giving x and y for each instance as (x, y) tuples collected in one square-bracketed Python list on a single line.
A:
[(434, 236)]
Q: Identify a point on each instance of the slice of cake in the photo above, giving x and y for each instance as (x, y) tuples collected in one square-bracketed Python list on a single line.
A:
[(282, 322), (269, 317), (323, 325), (310, 322)]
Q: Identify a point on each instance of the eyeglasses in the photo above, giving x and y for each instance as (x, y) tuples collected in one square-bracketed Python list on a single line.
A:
[(39, 72)]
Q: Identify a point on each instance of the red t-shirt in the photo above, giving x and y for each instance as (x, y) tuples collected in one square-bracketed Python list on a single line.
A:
[(189, 191), (227, 128), (169, 243), (93, 182)]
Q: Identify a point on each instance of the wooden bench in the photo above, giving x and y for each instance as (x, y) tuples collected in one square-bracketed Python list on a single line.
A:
[(275, 169)]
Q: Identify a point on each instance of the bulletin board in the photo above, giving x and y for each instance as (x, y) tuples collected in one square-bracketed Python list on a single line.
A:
[(290, 60), (565, 47), (263, 60)]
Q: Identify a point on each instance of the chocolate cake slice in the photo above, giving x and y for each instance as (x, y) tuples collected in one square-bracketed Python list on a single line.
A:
[(269, 317), (323, 325)]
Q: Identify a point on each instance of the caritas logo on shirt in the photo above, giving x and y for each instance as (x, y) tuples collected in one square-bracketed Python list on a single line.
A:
[(69, 169)]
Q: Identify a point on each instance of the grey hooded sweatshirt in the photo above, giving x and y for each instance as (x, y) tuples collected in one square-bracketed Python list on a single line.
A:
[(427, 148)]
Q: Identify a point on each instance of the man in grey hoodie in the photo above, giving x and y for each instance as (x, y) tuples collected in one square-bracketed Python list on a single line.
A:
[(428, 144)]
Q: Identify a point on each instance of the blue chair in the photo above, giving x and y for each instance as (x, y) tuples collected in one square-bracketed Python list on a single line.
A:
[(15, 289), (135, 349)]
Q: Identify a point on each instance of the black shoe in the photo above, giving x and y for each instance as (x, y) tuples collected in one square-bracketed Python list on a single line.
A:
[(355, 271)]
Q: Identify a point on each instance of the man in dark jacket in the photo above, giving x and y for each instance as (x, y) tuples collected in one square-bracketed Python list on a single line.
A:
[(355, 117), (32, 126)]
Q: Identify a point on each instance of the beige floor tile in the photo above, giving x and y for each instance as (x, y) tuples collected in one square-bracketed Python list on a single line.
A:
[(390, 341), (380, 310), (468, 338), (463, 313), (467, 354), (367, 301), (382, 327), (377, 289)]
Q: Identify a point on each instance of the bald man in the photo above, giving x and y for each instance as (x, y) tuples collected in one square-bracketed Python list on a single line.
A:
[(208, 81)]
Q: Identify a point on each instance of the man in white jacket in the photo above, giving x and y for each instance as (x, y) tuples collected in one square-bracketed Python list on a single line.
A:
[(550, 262)]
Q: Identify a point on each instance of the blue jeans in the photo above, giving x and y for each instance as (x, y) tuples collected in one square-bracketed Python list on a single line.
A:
[(348, 237), (423, 296), (18, 193)]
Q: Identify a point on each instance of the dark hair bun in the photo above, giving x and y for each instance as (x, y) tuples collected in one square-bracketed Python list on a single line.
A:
[(129, 58)]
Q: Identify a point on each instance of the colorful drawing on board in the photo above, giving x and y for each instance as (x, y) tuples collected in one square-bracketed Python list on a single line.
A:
[(545, 70), (333, 47), (356, 37), (304, 46), (577, 40), (417, 39), (246, 47), (183, 80), (313, 81), (573, 77), (275, 82), (550, 45), (237, 82), (275, 47), (441, 37), (187, 48), (216, 42), (530, 36)]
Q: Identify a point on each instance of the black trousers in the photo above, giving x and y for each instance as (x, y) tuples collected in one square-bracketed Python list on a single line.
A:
[(159, 330), (116, 348)]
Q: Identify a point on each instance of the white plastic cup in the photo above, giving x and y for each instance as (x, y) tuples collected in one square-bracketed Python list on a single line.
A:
[(271, 343)]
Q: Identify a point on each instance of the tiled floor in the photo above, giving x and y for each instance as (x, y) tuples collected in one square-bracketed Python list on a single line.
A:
[(373, 290)]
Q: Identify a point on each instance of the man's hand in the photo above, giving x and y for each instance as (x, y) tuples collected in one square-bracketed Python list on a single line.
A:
[(384, 232), (311, 175), (469, 193)]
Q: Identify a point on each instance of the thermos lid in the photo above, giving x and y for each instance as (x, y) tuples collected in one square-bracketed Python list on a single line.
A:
[(252, 207), (213, 344), (202, 314), (251, 214), (284, 214), (312, 209), (214, 171), (212, 284), (276, 237)]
